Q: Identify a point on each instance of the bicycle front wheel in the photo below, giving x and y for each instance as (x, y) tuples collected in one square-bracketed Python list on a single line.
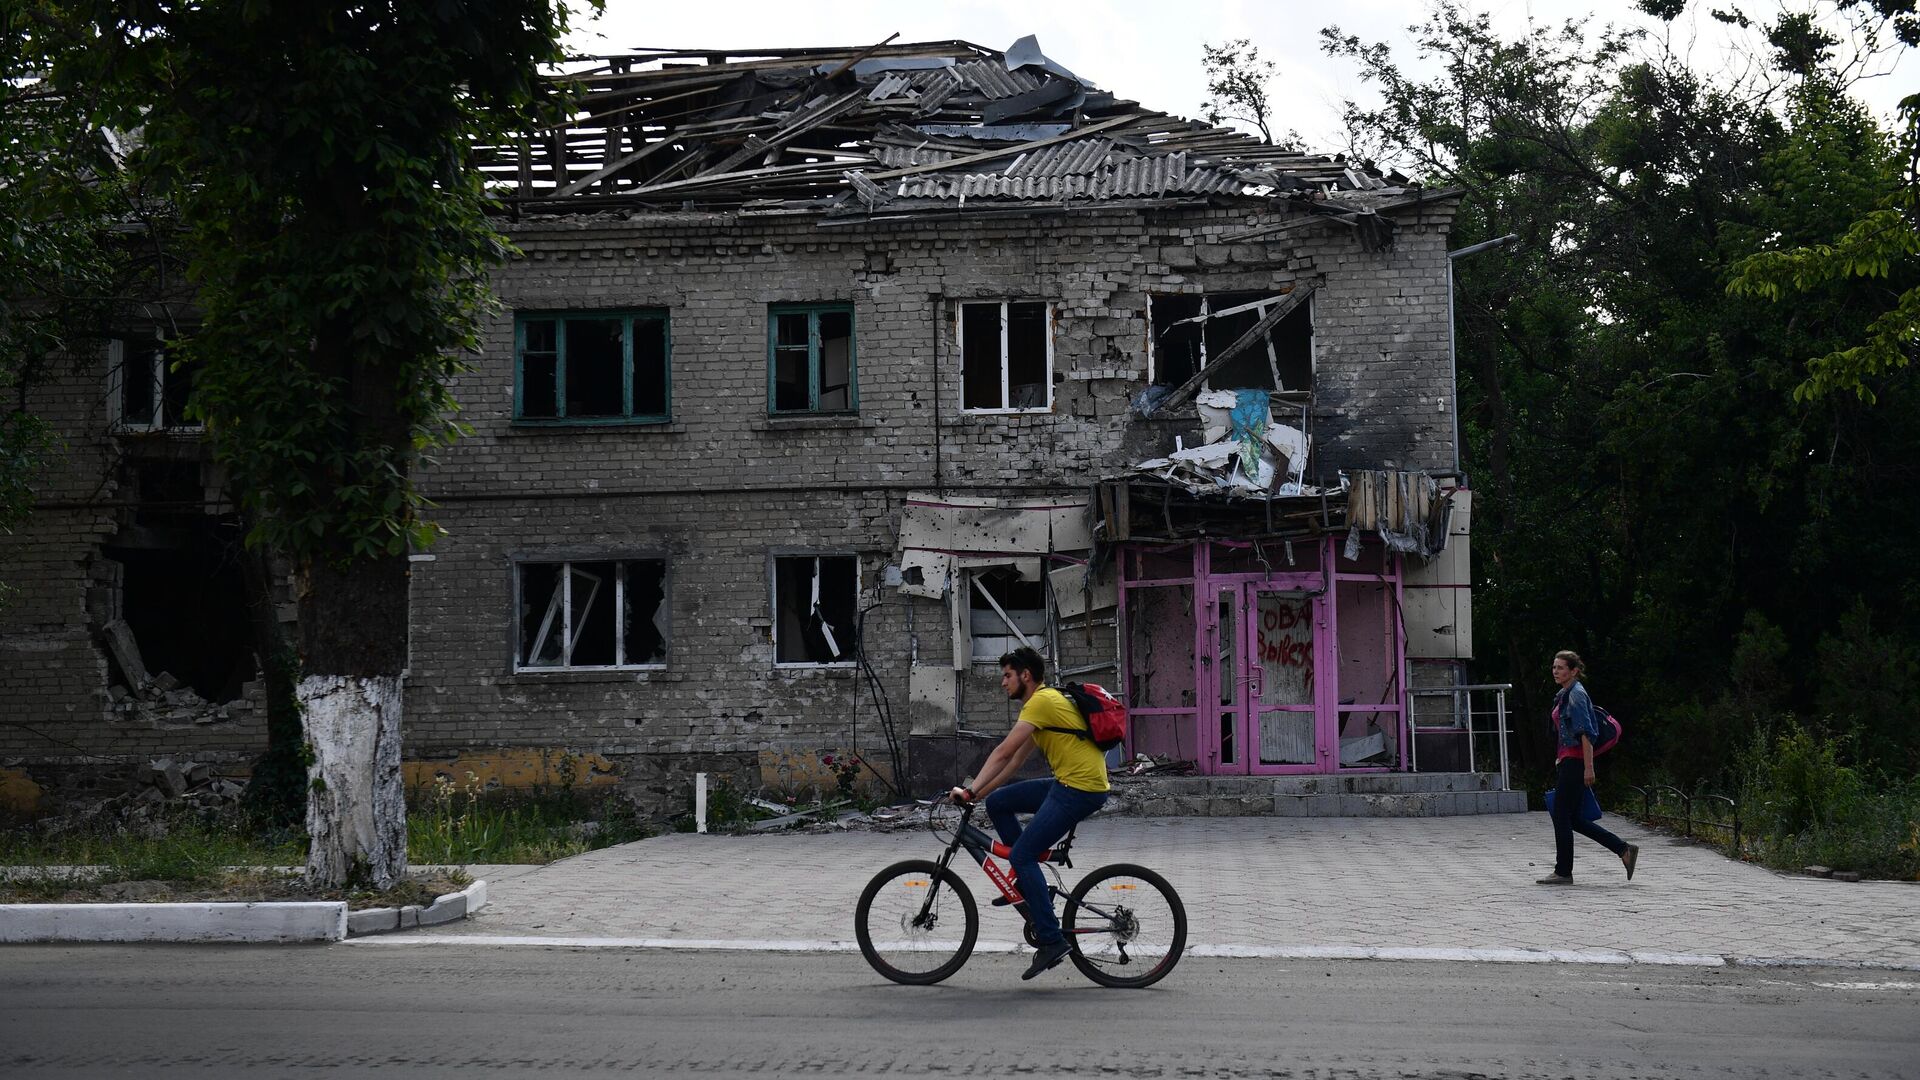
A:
[(1127, 926), (916, 922)]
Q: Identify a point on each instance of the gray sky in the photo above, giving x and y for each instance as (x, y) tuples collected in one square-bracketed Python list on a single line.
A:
[(1149, 50)]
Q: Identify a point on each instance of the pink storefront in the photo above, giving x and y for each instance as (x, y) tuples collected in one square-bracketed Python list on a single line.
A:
[(1266, 658)]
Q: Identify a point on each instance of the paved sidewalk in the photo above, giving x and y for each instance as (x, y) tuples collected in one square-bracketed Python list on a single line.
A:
[(1393, 887)]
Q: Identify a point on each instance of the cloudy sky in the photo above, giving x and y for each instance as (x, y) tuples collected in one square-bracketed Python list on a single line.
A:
[(1149, 50)]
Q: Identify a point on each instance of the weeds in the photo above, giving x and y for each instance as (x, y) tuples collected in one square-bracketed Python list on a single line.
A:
[(1810, 804), (465, 823)]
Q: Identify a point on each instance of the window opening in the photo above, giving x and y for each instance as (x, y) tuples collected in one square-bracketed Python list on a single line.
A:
[(815, 599), (1006, 612), (1006, 356), (598, 614), (811, 359), (1188, 329), (148, 388), (597, 368)]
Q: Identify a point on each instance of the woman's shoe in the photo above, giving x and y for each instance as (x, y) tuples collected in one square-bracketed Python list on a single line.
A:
[(1632, 856), (1555, 879)]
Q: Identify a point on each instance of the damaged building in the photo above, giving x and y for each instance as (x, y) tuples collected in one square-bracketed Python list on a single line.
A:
[(822, 378)]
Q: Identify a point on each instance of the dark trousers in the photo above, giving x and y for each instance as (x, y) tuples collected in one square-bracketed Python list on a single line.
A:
[(1055, 808), (1570, 783)]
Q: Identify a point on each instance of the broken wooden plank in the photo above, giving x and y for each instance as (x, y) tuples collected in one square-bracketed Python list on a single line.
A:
[(601, 174)]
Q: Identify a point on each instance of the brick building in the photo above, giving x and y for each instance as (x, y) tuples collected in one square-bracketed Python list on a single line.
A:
[(822, 378)]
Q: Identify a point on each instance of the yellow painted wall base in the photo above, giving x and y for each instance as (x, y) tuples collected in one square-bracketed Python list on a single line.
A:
[(806, 772), (512, 767), (18, 793)]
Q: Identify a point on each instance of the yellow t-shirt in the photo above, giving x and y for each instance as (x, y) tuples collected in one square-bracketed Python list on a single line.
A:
[(1076, 762)]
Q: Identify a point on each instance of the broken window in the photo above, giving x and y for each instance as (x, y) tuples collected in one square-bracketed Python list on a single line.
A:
[(810, 359), (815, 599), (1006, 356), (598, 614), (1187, 331), (148, 385), (591, 368), (1005, 612)]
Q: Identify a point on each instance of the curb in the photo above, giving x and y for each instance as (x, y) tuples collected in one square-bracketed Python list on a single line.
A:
[(444, 909), (1251, 952), (287, 922)]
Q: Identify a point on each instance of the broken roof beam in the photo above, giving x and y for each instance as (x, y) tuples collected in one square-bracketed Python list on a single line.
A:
[(798, 124), (1255, 334), (992, 155)]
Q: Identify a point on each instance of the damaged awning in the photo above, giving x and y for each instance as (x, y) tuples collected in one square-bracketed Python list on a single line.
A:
[(943, 534)]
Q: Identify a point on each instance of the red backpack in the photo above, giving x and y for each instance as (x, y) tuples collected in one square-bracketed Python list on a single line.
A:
[(1106, 718)]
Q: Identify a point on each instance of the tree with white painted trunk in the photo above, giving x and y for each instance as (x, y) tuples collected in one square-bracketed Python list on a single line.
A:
[(319, 156)]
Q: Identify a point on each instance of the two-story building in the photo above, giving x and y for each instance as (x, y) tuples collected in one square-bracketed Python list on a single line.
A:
[(821, 379)]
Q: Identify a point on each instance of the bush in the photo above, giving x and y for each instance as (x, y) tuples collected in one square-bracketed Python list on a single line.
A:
[(1806, 805), (450, 823)]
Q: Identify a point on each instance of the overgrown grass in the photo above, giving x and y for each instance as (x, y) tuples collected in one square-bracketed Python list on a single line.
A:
[(456, 823), (1806, 803), (186, 847)]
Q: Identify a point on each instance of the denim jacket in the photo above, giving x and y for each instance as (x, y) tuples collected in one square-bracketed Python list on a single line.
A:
[(1573, 716)]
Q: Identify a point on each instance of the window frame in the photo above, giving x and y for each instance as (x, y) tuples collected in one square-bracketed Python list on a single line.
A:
[(628, 318), (518, 565), (1006, 392), (158, 371), (773, 608), (1273, 359), (1043, 643), (813, 313)]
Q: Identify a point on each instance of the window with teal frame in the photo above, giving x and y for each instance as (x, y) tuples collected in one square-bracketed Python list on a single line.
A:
[(591, 367), (810, 361)]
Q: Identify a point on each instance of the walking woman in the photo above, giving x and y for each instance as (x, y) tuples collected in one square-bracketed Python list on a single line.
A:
[(1576, 730)]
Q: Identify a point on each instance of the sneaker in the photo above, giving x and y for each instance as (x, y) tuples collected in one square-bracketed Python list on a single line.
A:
[(1047, 956), (1555, 879), (1631, 857)]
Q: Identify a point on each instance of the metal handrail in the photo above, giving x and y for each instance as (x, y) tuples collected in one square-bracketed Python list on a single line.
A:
[(1499, 690)]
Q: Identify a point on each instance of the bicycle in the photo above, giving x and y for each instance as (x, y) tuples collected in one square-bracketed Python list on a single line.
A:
[(1117, 917)]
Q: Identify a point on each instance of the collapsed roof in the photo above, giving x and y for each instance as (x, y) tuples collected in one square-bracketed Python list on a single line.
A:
[(891, 130)]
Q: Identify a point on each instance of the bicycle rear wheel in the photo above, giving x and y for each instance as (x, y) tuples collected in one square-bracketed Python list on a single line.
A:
[(916, 922), (1127, 926)]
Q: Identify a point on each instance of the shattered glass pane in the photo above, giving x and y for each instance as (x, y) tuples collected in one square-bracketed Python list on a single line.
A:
[(593, 615), (643, 618), (136, 383), (836, 361), (1027, 356), (1176, 348), (980, 361), (541, 637), (596, 364), (790, 379), (814, 608), (650, 367)]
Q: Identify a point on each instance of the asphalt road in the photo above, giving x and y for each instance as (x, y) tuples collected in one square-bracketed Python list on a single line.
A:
[(239, 1011)]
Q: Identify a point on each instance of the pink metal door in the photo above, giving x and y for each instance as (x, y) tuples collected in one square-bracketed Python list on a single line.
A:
[(1226, 680), (1287, 727)]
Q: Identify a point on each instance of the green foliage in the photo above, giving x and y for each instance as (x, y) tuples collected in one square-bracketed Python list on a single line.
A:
[(1806, 805), (456, 823), (319, 160), (188, 847), (1237, 81), (1649, 489)]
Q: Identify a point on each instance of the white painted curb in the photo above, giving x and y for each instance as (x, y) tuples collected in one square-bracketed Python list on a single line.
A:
[(269, 922), (283, 922)]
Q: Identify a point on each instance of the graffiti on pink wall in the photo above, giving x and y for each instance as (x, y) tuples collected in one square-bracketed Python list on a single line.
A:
[(1285, 645)]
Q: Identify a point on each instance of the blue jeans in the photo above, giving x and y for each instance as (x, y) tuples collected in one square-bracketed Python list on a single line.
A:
[(1056, 808)]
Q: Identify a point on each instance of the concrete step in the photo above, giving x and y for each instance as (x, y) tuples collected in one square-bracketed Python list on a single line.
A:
[(1380, 795)]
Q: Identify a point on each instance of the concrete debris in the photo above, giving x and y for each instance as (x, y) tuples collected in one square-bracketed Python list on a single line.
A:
[(1246, 455)]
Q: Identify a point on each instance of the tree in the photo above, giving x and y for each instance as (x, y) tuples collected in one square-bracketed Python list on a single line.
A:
[(319, 158), (1237, 81), (1653, 491)]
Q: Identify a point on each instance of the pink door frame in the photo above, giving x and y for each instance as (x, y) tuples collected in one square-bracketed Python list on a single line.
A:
[(1243, 590)]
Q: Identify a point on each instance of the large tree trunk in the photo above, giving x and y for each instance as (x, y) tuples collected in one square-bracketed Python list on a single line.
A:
[(353, 628)]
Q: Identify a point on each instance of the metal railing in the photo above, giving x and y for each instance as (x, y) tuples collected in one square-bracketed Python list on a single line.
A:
[(1655, 800), (1473, 713)]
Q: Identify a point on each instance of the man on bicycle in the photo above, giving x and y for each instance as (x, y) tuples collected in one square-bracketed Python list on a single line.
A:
[(1078, 788)]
